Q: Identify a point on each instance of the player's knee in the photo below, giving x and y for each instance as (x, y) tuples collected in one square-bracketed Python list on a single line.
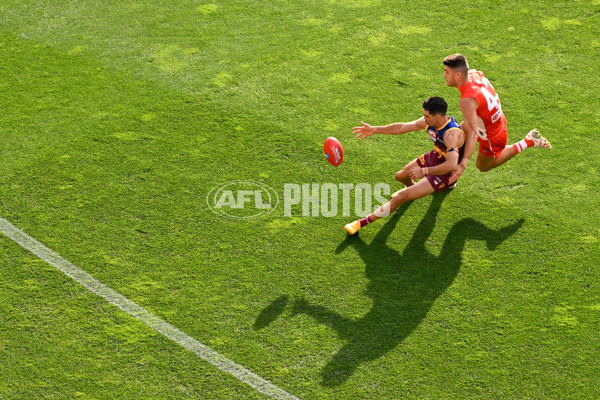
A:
[(402, 177), (483, 168), (400, 198)]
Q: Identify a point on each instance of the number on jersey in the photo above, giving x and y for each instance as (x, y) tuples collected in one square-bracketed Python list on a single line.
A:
[(493, 102)]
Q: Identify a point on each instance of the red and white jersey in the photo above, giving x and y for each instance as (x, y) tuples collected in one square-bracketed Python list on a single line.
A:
[(489, 108)]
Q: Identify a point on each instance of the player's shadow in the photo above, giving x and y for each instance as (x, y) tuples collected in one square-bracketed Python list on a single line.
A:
[(403, 288)]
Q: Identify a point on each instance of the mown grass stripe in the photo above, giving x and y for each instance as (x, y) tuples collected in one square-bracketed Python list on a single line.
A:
[(141, 314)]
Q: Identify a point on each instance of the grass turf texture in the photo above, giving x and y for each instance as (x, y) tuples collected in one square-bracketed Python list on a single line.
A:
[(117, 119)]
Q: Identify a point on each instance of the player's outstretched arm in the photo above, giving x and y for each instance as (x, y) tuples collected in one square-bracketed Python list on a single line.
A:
[(453, 140), (399, 128)]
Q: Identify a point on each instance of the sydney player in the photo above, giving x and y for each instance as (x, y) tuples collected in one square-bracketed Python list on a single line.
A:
[(435, 167), (484, 120)]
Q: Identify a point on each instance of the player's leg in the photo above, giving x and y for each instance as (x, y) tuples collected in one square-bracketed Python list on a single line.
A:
[(416, 191), (490, 149), (420, 189), (484, 163), (506, 154), (533, 139), (402, 175)]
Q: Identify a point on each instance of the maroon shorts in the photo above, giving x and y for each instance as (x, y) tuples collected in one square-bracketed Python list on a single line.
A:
[(493, 146), (438, 182)]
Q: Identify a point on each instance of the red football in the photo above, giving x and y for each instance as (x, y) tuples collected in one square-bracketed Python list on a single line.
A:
[(333, 151)]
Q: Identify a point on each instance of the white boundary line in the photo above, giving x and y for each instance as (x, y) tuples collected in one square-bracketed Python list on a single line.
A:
[(140, 313)]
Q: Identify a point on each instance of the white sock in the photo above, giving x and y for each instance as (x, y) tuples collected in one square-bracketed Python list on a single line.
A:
[(520, 146)]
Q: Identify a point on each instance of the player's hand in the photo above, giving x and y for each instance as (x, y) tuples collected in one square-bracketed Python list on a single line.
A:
[(416, 173), (457, 173), (362, 132)]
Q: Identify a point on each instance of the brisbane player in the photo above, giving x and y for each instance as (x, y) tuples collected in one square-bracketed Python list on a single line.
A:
[(434, 167), (484, 120)]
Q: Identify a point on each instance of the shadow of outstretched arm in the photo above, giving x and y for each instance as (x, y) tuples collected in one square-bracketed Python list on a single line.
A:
[(271, 312), (324, 316)]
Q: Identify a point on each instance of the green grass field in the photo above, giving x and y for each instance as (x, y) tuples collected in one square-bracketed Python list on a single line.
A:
[(118, 117)]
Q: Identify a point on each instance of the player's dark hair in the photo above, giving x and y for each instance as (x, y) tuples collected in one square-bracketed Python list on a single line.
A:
[(435, 105), (457, 62)]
